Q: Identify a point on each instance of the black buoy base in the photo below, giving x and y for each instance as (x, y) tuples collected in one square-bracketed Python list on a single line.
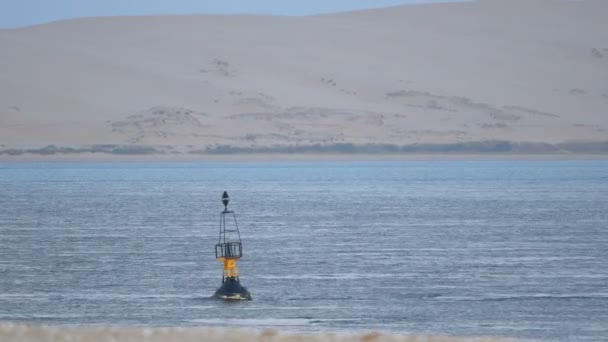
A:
[(231, 289)]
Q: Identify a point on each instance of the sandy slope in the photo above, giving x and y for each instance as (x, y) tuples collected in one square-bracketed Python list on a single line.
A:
[(516, 70)]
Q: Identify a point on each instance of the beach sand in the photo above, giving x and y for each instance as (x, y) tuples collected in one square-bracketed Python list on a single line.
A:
[(37, 333)]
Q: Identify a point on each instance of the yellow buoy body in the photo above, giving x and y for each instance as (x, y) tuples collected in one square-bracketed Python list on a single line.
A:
[(230, 268)]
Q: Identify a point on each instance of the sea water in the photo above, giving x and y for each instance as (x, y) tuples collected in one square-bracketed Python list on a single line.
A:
[(513, 248)]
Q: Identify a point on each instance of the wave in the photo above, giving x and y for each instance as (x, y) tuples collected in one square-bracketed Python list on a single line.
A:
[(254, 322), (11, 332), (540, 296), (334, 276)]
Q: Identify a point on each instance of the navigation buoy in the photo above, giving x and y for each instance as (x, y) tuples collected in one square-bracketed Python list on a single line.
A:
[(228, 250)]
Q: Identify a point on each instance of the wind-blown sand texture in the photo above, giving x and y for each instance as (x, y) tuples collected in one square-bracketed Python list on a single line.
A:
[(531, 74), (19, 333)]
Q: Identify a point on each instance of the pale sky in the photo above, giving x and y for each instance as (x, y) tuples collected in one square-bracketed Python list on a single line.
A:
[(16, 13)]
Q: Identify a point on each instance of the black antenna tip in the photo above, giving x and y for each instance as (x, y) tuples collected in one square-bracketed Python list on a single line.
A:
[(225, 199)]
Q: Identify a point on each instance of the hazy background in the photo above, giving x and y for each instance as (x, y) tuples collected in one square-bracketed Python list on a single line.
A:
[(487, 76)]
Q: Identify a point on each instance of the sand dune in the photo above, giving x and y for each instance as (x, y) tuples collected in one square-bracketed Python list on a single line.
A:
[(529, 71), (13, 332)]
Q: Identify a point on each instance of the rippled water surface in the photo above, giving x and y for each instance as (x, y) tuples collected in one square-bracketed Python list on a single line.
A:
[(467, 248)]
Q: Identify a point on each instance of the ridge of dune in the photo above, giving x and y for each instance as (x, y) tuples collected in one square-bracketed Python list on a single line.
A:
[(447, 73)]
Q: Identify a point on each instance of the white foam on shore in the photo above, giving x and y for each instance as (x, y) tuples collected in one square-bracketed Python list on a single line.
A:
[(10, 332), (254, 322)]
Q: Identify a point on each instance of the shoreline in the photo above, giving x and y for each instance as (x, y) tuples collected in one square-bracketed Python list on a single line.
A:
[(477, 150), (305, 157)]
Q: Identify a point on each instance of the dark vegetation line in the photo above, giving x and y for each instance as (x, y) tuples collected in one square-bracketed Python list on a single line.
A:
[(102, 149), (489, 147)]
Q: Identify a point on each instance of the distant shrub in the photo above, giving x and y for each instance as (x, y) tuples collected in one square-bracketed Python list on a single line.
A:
[(135, 150)]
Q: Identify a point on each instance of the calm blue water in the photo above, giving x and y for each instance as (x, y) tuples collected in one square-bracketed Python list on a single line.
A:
[(467, 248)]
